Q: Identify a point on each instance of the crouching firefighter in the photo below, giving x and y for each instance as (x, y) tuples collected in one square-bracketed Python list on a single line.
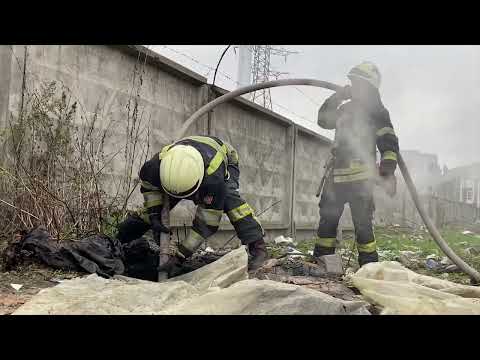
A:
[(361, 124), (203, 169)]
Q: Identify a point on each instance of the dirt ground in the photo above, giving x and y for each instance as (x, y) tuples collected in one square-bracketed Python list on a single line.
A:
[(33, 278)]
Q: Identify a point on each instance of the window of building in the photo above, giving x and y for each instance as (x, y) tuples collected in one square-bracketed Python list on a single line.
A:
[(468, 191)]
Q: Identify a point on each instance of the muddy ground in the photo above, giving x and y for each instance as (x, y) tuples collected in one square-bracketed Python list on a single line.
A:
[(33, 278)]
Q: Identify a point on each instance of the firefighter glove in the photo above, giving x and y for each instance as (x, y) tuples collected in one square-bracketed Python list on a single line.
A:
[(157, 226), (387, 167), (345, 93), (390, 185)]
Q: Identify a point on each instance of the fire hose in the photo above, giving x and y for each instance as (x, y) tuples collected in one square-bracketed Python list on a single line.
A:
[(403, 168)]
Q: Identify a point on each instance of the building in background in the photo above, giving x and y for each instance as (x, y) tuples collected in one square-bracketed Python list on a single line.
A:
[(424, 170), (461, 184)]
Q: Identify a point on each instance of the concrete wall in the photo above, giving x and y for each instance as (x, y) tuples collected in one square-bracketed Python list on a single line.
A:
[(264, 143), (5, 75), (311, 152), (443, 212)]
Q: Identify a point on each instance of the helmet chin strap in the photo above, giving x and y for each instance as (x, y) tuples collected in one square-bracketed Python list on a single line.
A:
[(190, 192)]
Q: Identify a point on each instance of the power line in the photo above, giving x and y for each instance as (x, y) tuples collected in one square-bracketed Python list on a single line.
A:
[(209, 67), (308, 97), (228, 77), (218, 65)]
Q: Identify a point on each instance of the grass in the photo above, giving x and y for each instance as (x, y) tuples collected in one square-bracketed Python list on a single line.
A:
[(394, 241), (391, 241), (401, 240)]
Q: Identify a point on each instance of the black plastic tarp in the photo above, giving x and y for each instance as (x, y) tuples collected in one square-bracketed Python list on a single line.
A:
[(98, 254)]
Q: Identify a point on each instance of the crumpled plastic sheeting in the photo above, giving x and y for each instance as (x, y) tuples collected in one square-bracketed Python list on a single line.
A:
[(400, 291), (222, 273), (266, 297), (219, 288)]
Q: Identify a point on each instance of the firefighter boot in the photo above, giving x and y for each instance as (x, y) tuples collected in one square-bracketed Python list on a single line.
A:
[(258, 251), (365, 258), (321, 250)]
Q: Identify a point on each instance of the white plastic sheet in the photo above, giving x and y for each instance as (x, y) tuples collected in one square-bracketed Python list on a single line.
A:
[(401, 291)]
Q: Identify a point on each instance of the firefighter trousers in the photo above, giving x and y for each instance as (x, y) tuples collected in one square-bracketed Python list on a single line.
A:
[(359, 195), (239, 212)]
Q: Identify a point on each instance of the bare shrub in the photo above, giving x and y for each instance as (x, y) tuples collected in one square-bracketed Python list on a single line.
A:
[(55, 167)]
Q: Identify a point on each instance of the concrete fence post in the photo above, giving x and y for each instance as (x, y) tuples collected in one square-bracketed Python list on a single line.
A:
[(5, 76), (293, 143)]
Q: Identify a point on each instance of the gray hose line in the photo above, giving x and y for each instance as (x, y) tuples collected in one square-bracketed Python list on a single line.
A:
[(247, 89), (431, 226), (406, 175)]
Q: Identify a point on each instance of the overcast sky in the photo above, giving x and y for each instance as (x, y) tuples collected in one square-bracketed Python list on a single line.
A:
[(431, 92)]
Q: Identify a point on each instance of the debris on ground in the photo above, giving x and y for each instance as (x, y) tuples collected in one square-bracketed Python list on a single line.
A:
[(294, 253), (385, 253), (221, 287), (283, 240), (432, 264), (9, 302), (140, 256), (473, 251), (17, 287), (332, 264), (446, 261), (409, 259), (33, 278), (283, 247), (452, 268), (94, 254), (291, 264), (327, 267)]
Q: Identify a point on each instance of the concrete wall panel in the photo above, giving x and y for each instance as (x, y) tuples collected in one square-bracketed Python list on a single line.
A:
[(264, 147)]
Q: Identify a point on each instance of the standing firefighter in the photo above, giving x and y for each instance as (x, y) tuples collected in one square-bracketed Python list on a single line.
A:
[(362, 123), (203, 169)]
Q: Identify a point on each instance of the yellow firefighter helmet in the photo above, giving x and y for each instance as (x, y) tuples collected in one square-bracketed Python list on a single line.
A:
[(367, 71), (181, 171)]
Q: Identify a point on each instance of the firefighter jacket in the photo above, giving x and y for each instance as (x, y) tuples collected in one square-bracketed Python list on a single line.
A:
[(359, 130), (221, 163)]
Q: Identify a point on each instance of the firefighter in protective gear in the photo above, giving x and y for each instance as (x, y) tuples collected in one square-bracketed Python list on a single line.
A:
[(361, 124), (203, 169)]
